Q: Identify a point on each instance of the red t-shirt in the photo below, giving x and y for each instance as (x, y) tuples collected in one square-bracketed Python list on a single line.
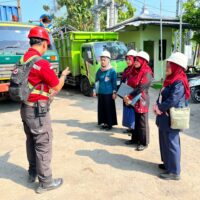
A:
[(41, 72)]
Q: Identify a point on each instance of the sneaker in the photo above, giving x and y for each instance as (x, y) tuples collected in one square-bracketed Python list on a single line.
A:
[(56, 183), (169, 176)]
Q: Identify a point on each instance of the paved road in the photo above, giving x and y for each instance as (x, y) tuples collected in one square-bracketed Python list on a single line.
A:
[(95, 164)]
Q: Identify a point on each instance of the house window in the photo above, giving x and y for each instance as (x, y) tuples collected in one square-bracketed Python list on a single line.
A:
[(130, 45), (164, 49)]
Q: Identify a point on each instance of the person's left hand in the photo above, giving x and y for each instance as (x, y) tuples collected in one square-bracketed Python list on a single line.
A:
[(114, 96)]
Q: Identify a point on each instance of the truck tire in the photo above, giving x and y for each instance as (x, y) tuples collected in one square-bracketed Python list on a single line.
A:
[(85, 86), (195, 94)]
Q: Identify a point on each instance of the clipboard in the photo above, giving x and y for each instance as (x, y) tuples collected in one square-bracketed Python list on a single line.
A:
[(124, 90)]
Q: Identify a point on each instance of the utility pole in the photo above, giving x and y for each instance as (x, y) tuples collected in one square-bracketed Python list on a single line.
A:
[(181, 24), (161, 39), (19, 9), (97, 27), (112, 13), (177, 8)]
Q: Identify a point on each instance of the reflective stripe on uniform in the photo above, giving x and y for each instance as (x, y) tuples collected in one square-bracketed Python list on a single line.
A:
[(22, 59), (34, 91)]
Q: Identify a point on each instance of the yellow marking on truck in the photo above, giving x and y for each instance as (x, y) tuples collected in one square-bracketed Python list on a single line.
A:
[(17, 25)]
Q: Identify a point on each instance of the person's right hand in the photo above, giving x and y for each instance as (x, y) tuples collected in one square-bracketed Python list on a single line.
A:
[(66, 72), (94, 94)]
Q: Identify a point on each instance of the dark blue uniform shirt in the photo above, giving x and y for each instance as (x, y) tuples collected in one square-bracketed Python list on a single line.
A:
[(172, 96)]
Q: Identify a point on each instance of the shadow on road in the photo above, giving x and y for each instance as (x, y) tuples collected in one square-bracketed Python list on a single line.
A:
[(104, 138), (88, 126), (76, 123), (13, 172), (8, 106), (120, 161)]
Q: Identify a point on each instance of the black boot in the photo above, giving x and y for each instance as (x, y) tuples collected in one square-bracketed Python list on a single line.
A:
[(32, 178), (51, 186)]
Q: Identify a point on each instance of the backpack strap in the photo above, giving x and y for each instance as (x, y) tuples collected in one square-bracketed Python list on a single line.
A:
[(34, 59)]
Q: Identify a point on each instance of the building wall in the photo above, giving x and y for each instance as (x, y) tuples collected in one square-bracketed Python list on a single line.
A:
[(150, 33)]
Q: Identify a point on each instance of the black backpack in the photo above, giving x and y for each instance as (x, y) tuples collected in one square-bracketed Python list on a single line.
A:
[(19, 89)]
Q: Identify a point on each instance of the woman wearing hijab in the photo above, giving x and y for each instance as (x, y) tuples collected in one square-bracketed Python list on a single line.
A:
[(125, 77), (106, 79), (175, 93), (140, 81)]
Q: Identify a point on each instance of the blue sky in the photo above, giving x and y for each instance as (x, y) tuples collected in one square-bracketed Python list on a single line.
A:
[(32, 9)]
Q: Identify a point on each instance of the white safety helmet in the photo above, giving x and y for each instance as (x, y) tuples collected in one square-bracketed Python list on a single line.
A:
[(131, 53), (144, 55), (106, 54), (179, 59)]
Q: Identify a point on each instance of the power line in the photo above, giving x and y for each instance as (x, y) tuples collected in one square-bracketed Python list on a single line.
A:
[(7, 1), (156, 8)]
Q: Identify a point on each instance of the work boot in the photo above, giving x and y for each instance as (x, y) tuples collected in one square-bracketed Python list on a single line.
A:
[(169, 176), (32, 178), (51, 186)]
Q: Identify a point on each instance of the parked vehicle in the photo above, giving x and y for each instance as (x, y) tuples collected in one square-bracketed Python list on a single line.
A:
[(194, 81), (193, 74), (14, 43), (81, 52)]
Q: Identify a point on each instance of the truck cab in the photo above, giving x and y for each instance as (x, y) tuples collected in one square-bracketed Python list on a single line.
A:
[(90, 61), (13, 44)]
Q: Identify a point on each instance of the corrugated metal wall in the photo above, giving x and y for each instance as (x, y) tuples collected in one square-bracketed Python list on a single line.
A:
[(7, 13)]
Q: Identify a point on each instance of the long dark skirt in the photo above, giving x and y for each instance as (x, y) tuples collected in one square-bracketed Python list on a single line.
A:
[(141, 132), (106, 110)]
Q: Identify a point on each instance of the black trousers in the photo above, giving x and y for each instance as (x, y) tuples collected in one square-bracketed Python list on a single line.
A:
[(106, 110), (141, 132), (38, 143)]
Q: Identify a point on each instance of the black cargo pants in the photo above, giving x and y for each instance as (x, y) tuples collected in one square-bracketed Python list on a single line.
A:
[(38, 143)]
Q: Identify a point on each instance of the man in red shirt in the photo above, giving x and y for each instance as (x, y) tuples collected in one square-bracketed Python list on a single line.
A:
[(35, 112)]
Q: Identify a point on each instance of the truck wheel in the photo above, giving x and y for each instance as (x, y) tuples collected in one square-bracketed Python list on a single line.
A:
[(195, 94), (85, 86)]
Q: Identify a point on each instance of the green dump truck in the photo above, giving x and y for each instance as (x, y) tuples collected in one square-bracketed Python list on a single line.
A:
[(13, 44), (81, 51)]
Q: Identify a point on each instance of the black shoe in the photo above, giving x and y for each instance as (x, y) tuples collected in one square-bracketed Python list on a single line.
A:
[(32, 178), (108, 128), (103, 127), (127, 131), (141, 147), (51, 186), (169, 176), (130, 142), (162, 166)]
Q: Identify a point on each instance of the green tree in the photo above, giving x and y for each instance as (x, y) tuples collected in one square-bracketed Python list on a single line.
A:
[(192, 16), (126, 10), (46, 8), (80, 16)]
